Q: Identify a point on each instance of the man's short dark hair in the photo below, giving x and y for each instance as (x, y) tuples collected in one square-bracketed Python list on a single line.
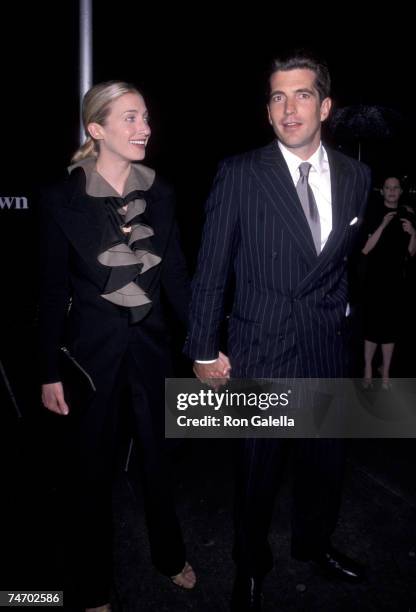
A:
[(305, 59)]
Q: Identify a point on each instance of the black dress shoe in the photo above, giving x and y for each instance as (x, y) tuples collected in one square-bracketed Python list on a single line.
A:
[(336, 565), (247, 596)]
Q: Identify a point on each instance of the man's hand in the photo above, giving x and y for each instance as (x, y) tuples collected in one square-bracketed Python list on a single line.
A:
[(218, 370), (53, 398)]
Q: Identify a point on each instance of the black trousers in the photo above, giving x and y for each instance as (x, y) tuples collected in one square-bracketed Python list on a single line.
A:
[(317, 485), (93, 449)]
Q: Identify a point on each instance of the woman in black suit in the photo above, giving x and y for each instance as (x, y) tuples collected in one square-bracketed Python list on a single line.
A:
[(109, 249)]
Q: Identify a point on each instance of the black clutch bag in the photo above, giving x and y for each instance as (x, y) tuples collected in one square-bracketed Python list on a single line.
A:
[(79, 388)]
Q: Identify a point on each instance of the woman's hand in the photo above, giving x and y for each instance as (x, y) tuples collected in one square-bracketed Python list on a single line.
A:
[(374, 238), (387, 218), (53, 398), (408, 227)]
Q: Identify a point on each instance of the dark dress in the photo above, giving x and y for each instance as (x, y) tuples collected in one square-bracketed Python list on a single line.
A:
[(383, 289), (125, 349)]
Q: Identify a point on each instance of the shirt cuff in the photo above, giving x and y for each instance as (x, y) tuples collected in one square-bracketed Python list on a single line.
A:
[(207, 361)]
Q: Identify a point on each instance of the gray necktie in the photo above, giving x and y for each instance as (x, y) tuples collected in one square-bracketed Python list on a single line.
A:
[(309, 206)]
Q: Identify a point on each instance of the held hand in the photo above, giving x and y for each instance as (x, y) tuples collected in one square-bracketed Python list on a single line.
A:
[(387, 218), (224, 364), (408, 227), (53, 398), (218, 370)]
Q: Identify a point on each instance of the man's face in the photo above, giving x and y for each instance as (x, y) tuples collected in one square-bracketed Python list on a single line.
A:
[(295, 111), (392, 191)]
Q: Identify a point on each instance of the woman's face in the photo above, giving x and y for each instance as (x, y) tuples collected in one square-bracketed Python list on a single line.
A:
[(392, 191), (126, 131)]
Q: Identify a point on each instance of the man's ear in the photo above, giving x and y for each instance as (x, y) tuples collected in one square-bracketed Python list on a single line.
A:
[(326, 105), (269, 115), (95, 130)]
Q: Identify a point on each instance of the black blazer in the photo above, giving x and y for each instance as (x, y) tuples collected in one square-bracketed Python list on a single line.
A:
[(289, 306), (97, 331)]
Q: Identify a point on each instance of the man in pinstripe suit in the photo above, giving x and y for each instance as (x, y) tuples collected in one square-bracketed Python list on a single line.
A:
[(288, 314)]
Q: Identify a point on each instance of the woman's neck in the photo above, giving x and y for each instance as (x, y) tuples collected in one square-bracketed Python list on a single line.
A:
[(115, 173)]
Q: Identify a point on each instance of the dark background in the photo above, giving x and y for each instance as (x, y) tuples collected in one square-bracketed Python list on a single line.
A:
[(202, 71)]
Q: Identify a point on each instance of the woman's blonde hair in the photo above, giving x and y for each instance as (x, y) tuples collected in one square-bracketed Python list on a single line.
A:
[(95, 109)]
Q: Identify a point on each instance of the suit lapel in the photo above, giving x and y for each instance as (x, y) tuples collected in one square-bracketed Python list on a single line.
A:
[(274, 179), (79, 202), (83, 219), (342, 186)]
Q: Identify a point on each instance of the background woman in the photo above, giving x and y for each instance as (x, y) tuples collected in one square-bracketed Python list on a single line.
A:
[(391, 240)]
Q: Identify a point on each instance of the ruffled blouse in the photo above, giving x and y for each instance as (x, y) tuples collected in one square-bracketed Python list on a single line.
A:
[(126, 247)]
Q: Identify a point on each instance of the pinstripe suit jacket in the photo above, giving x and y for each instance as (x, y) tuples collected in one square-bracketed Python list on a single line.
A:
[(288, 313)]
